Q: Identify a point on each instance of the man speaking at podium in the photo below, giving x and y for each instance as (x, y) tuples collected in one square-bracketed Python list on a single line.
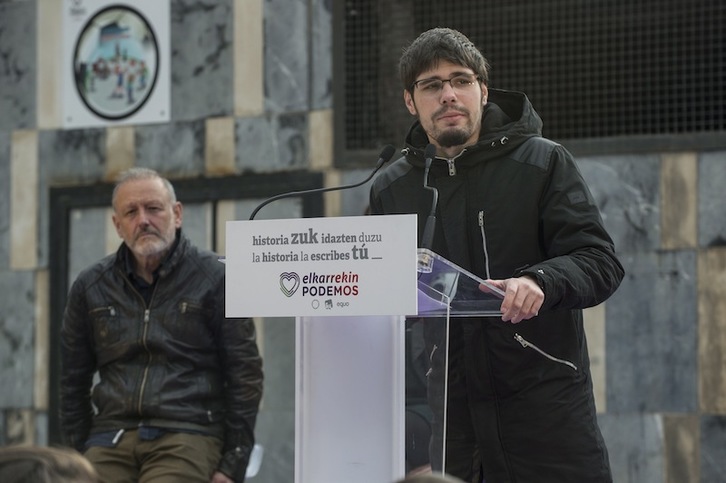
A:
[(511, 207)]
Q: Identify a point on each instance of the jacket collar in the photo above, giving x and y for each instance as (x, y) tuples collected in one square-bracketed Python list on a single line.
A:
[(508, 120)]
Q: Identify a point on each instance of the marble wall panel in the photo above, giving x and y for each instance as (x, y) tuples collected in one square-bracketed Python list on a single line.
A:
[(651, 329), (198, 224), (111, 238), (332, 199), (679, 201), (354, 201), (175, 150), (287, 62), (4, 200), (19, 426), (41, 428), (713, 448), (87, 242), (594, 319), (279, 360), (17, 349), (321, 65), (120, 150), (249, 92), (276, 421), (635, 444), (274, 434), (42, 342), (202, 69), (224, 212), (626, 189), (712, 199), (18, 65), (712, 330), (681, 447), (44, 182), (73, 156), (24, 208), (271, 143), (256, 144), (321, 142), (50, 64), (219, 146)]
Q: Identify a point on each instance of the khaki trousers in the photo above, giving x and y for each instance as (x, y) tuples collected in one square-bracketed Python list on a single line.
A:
[(171, 458)]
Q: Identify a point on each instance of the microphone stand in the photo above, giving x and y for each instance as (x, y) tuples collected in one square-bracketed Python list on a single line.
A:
[(383, 158)]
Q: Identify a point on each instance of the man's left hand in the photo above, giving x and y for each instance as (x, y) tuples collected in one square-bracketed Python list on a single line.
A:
[(522, 298)]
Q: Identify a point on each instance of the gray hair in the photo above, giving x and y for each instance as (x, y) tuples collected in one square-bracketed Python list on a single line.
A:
[(142, 173)]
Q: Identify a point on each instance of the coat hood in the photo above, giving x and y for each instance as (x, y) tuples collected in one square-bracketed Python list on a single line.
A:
[(508, 120)]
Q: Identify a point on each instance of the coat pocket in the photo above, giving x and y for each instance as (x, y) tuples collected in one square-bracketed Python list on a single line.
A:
[(526, 344), (107, 327)]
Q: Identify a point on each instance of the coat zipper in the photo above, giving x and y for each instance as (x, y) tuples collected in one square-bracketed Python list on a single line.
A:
[(110, 309), (484, 243), (452, 166), (147, 318), (526, 343), (148, 365), (145, 332), (431, 360), (450, 161)]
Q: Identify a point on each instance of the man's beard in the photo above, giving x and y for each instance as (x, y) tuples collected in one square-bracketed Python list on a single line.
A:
[(154, 245), (453, 137)]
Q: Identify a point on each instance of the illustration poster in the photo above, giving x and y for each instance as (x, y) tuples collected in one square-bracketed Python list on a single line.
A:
[(116, 62)]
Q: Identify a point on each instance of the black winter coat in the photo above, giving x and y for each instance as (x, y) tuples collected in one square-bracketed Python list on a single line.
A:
[(176, 363), (516, 204)]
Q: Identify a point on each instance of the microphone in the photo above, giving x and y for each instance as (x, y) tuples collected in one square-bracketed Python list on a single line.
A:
[(383, 158), (427, 240)]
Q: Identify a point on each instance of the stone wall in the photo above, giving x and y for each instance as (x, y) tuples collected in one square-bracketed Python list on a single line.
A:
[(251, 93)]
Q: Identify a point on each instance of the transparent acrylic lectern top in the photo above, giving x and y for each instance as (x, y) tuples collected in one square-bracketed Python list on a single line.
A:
[(437, 275)]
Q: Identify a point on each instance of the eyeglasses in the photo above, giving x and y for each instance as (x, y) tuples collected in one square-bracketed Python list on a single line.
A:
[(433, 86)]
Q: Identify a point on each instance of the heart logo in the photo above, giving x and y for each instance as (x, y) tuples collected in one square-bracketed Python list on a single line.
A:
[(289, 283)]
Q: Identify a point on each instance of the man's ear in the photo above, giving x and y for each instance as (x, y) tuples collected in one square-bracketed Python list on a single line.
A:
[(178, 214), (408, 100), (116, 224), (484, 95)]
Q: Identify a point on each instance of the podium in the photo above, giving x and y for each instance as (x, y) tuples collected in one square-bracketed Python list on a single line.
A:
[(351, 372)]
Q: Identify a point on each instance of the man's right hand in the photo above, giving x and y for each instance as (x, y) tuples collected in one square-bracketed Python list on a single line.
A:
[(219, 477)]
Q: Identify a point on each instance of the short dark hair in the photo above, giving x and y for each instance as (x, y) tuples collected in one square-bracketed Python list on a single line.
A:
[(435, 45)]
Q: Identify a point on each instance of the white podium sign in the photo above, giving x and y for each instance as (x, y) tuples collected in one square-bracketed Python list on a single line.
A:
[(321, 267)]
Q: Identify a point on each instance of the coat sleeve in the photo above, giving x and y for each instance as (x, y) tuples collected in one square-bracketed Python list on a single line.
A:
[(580, 268), (78, 364), (242, 365)]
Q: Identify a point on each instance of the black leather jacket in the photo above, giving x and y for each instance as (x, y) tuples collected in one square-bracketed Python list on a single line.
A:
[(174, 363)]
